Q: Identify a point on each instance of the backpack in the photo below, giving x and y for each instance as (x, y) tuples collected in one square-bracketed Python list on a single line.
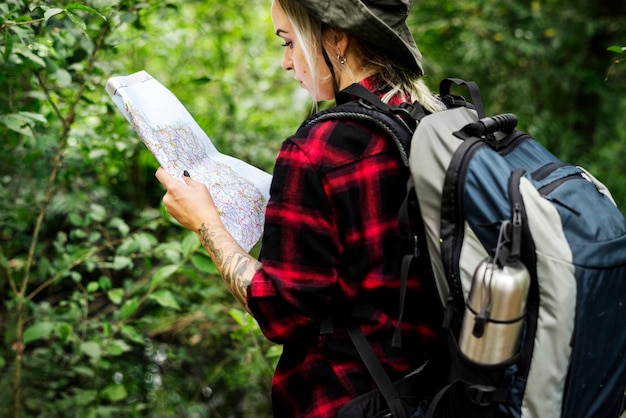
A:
[(528, 257)]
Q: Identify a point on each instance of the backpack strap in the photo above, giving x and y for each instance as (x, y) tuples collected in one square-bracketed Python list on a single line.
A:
[(481, 395), (376, 370), (398, 122)]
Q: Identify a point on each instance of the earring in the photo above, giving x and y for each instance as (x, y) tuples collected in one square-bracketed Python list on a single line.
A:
[(341, 59)]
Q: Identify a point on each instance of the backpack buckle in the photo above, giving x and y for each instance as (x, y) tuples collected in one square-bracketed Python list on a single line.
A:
[(415, 111), (480, 394)]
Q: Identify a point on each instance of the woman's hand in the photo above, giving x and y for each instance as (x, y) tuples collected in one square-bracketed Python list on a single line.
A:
[(190, 203)]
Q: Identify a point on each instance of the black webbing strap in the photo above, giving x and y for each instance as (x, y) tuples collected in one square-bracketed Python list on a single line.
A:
[(373, 365), (444, 90), (479, 394), (410, 240)]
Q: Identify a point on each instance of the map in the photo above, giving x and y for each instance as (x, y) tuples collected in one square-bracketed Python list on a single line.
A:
[(240, 190)]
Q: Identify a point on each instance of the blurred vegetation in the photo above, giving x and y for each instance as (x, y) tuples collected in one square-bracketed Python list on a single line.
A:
[(108, 307)]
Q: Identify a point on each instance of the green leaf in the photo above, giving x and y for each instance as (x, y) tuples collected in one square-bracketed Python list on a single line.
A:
[(116, 295), (165, 298), (204, 264), (23, 50), (65, 330), (22, 122), (105, 282), (8, 49), (163, 274), (53, 11), (131, 333), (92, 287), (117, 348), (96, 212), (190, 243), (121, 262), (91, 349), (114, 392), (85, 397), (78, 21), (129, 307), (78, 6), (84, 371), (38, 331), (120, 225), (616, 48)]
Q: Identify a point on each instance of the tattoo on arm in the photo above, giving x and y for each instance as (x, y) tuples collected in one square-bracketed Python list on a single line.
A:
[(235, 265)]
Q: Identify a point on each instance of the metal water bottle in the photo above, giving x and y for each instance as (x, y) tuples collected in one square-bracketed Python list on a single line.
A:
[(494, 312)]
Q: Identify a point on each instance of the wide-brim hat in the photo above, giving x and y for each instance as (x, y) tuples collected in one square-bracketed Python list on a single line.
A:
[(380, 22)]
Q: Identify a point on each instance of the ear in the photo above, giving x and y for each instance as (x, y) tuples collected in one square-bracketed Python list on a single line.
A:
[(341, 42), (336, 41)]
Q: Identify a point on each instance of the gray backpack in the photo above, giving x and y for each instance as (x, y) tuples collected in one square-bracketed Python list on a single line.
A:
[(528, 255)]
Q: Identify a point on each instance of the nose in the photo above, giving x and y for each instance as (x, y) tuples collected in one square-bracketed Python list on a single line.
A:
[(287, 63)]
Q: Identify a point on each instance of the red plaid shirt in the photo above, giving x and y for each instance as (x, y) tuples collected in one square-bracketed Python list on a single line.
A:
[(331, 239)]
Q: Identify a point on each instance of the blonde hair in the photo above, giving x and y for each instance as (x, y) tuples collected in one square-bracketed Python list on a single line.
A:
[(373, 60), (307, 30)]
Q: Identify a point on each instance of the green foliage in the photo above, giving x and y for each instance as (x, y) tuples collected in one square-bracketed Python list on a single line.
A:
[(545, 61), (109, 308)]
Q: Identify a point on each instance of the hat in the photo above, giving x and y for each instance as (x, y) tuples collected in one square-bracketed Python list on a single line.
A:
[(380, 22)]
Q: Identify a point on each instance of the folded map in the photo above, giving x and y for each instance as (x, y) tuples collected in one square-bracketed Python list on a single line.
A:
[(240, 190)]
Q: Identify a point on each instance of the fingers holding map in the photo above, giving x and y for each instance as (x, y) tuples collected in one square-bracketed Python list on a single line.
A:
[(240, 190)]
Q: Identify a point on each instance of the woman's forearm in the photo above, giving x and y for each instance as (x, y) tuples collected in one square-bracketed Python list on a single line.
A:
[(236, 266)]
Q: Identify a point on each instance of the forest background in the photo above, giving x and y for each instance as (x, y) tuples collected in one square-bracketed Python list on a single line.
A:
[(108, 308)]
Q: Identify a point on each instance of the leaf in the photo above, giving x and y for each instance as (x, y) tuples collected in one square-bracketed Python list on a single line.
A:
[(116, 295), (53, 11), (204, 264), (85, 397), (84, 371), (117, 347), (131, 333), (21, 122), (8, 49), (190, 243), (114, 392), (91, 349), (120, 225), (165, 298), (163, 274), (120, 262), (38, 331), (92, 287), (22, 50), (78, 21), (96, 212), (616, 48), (104, 282), (129, 307), (78, 6), (65, 330)]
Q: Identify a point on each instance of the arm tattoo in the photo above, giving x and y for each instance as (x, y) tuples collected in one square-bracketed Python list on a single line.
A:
[(233, 273), (235, 266)]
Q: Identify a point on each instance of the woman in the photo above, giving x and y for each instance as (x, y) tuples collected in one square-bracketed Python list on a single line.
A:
[(331, 239)]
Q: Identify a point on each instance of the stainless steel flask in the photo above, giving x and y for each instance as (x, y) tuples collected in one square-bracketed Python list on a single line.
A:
[(494, 312)]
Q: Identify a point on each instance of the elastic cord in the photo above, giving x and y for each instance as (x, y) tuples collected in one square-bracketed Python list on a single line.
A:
[(328, 61)]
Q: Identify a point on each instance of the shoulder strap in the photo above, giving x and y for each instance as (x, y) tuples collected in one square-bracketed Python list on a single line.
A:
[(380, 376), (397, 121)]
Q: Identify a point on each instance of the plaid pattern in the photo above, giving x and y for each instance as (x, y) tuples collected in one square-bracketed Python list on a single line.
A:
[(332, 241)]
